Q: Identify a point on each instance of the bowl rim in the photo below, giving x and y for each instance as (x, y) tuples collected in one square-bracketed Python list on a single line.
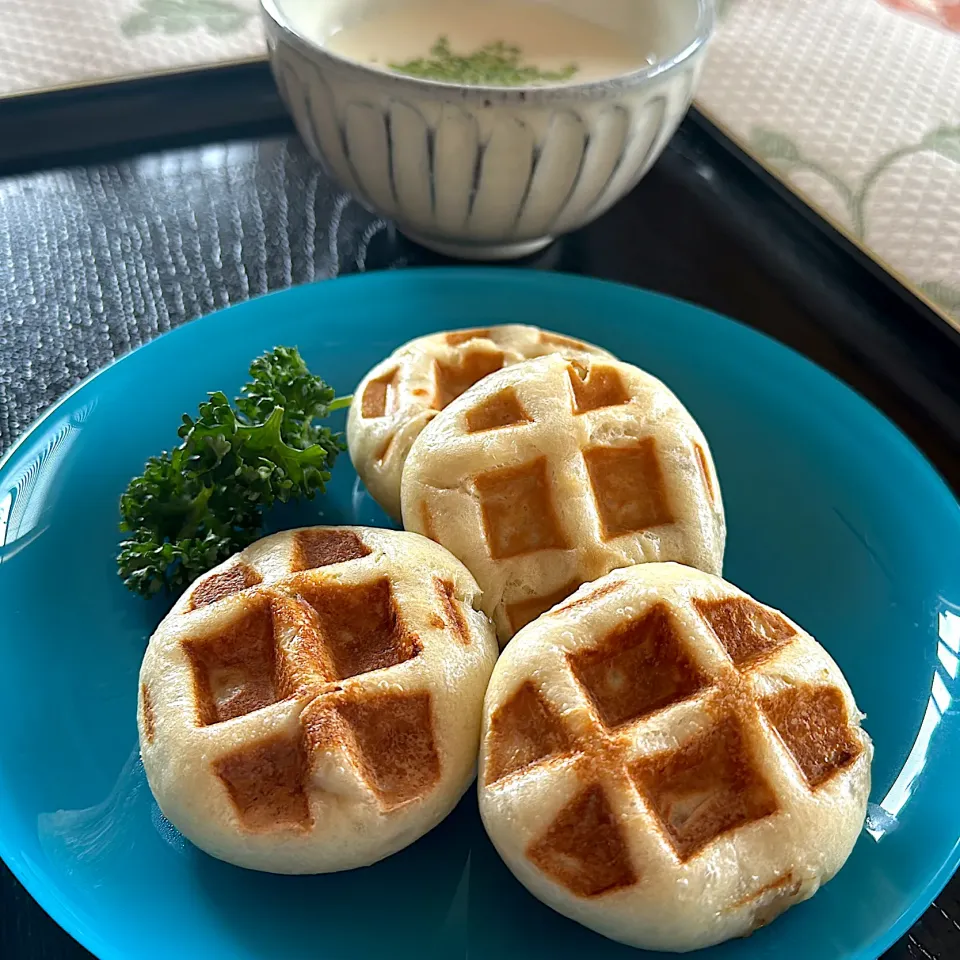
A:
[(702, 31)]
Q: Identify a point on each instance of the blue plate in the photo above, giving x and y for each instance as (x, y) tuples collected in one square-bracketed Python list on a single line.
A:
[(833, 516)]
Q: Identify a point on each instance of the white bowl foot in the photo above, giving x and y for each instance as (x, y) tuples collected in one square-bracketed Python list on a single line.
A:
[(479, 251)]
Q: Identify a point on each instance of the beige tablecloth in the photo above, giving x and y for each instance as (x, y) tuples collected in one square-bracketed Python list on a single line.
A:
[(854, 103), (857, 107)]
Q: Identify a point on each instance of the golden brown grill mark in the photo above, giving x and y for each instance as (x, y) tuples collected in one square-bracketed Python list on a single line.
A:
[(503, 409), (522, 612), (451, 610), (292, 641), (584, 848), (321, 548), (596, 386), (597, 594), (815, 728), (149, 717), (454, 378), (426, 521), (265, 784), (388, 737), (779, 883), (517, 509), (224, 584), (235, 669), (458, 337), (628, 488), (360, 626), (524, 730), (705, 471), (303, 663), (380, 395), (707, 787), (748, 631), (640, 667)]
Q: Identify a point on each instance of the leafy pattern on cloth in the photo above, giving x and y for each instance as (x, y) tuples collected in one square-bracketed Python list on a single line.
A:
[(855, 105), (55, 43), (182, 16), (780, 152)]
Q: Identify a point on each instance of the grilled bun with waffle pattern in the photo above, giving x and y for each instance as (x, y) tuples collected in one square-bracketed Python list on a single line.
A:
[(313, 704), (670, 762), (403, 393), (552, 472)]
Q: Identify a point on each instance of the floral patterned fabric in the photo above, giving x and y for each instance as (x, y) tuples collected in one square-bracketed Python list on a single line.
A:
[(853, 103), (46, 44), (856, 106)]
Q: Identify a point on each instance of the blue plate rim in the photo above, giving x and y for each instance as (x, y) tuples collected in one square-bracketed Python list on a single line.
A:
[(45, 894)]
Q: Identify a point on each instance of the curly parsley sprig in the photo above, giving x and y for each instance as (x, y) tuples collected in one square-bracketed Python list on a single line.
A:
[(201, 502)]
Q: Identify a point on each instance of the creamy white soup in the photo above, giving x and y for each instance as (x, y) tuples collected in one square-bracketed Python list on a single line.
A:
[(503, 42)]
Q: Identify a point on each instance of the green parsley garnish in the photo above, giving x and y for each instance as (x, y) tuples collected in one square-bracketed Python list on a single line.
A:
[(198, 504), (495, 65)]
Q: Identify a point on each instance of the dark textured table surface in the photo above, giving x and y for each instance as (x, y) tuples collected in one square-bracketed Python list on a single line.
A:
[(94, 261)]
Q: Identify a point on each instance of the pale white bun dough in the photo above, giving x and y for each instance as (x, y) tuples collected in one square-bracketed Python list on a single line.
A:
[(403, 393), (669, 762), (313, 704), (550, 473)]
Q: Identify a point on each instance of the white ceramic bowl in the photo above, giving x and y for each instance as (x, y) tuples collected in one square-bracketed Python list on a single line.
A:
[(486, 172)]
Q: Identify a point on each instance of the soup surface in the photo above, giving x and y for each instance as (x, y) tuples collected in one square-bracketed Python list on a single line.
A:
[(502, 42)]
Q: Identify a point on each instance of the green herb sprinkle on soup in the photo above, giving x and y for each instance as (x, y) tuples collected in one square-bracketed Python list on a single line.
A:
[(495, 64), (505, 43)]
